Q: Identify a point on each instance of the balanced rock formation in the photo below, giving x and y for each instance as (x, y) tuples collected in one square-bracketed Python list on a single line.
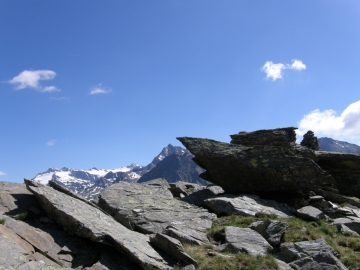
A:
[(261, 162), (310, 141)]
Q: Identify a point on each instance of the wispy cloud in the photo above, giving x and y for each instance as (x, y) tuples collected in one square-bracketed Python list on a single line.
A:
[(275, 71), (31, 79), (51, 142), (327, 123), (2, 173), (99, 89)]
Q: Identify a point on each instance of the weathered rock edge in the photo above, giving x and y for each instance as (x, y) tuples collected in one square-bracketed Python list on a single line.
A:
[(86, 221)]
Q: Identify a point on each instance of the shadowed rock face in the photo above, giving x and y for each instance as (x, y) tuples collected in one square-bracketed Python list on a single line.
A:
[(345, 168), (258, 169), (83, 220)]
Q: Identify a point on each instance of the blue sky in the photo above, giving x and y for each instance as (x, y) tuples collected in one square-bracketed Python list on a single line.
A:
[(108, 83)]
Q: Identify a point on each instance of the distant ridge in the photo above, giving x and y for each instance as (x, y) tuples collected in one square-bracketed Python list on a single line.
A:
[(331, 145)]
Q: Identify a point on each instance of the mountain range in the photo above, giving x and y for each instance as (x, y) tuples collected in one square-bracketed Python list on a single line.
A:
[(331, 145), (173, 163)]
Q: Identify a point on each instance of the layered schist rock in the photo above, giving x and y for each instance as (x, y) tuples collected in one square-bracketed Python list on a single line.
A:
[(260, 162), (88, 222), (152, 209)]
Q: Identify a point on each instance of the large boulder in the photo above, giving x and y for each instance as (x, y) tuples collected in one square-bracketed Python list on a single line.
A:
[(345, 168), (246, 205), (150, 209), (262, 169), (244, 240), (80, 218)]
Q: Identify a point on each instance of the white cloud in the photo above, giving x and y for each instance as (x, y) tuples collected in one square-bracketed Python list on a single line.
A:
[(346, 126), (51, 142), (297, 65), (2, 173), (275, 71), (99, 89), (31, 79)]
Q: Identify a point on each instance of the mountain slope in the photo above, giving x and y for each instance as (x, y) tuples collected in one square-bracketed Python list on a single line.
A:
[(174, 168), (331, 145)]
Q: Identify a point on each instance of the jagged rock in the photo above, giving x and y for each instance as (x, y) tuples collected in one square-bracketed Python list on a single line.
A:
[(40, 240), (345, 168), (246, 205), (310, 213), (198, 197), (310, 141), (173, 247), (282, 265), (187, 235), (289, 253), (81, 219), (14, 250), (321, 261), (319, 202), (345, 230), (353, 223), (271, 230), (150, 210), (184, 188), (15, 199), (244, 240), (315, 246), (158, 182), (258, 169)]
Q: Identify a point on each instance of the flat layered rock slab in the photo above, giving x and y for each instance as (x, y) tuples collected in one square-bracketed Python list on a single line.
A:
[(246, 205), (14, 250), (86, 221), (151, 209)]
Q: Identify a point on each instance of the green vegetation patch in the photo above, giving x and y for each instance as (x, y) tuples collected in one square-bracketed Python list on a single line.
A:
[(2, 221)]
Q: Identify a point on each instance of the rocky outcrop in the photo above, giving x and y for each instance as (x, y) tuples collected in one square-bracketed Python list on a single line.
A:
[(88, 222), (310, 141), (310, 213), (254, 165), (345, 168), (150, 209)]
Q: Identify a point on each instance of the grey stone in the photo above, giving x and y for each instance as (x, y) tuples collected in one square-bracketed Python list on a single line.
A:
[(173, 247), (282, 265), (186, 235), (353, 223), (314, 246), (289, 253), (259, 168), (14, 250), (320, 260), (158, 182), (15, 199), (246, 205), (271, 230), (246, 240), (150, 210), (185, 188), (345, 230), (310, 213), (82, 219), (40, 265), (40, 240)]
